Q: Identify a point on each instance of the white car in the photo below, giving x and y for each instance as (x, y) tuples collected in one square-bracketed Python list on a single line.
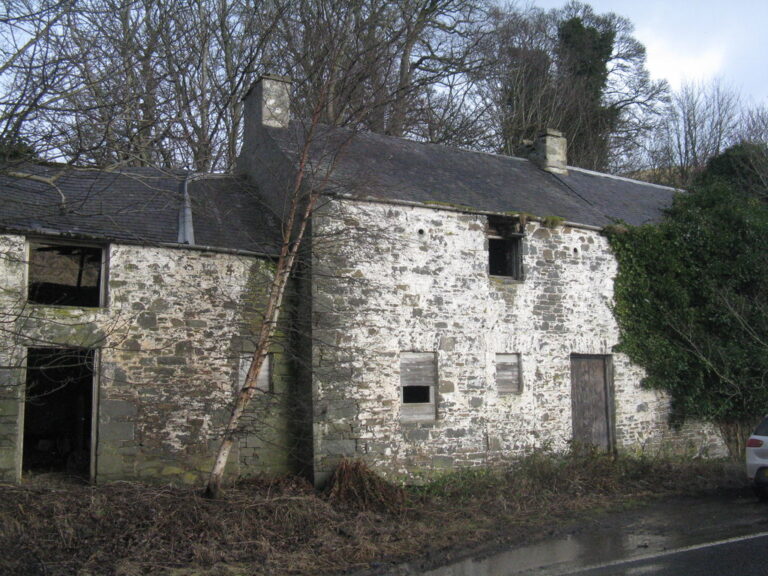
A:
[(757, 459)]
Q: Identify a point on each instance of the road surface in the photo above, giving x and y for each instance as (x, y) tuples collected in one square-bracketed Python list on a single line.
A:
[(714, 535)]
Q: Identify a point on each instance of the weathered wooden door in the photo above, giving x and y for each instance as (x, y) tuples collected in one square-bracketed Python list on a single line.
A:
[(592, 401)]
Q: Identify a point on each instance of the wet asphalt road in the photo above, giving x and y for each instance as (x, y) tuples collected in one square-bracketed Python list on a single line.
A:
[(723, 534), (745, 556)]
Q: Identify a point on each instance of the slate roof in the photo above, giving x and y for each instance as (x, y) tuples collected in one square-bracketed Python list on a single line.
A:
[(388, 168), (142, 205), (228, 212), (135, 205)]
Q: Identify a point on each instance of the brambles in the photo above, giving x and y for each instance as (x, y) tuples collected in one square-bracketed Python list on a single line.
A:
[(354, 485)]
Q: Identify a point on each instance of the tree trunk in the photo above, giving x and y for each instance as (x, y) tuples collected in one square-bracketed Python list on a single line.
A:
[(295, 226), (735, 436)]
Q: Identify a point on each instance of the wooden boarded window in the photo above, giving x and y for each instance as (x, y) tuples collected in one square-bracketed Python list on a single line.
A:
[(418, 379), (508, 378), (264, 379), (505, 249)]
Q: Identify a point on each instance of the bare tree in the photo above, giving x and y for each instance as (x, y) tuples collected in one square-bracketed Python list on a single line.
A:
[(32, 75), (754, 124), (138, 83), (389, 56), (570, 69), (700, 121), (162, 82)]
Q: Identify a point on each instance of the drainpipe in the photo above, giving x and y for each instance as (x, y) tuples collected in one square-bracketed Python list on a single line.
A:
[(186, 226)]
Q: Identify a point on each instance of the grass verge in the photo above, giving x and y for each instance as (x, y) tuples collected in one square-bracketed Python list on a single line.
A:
[(284, 526)]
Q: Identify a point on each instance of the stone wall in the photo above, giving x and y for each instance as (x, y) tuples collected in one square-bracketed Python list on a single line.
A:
[(390, 278), (175, 328)]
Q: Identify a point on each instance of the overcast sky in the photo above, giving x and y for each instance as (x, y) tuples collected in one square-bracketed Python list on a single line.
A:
[(699, 39)]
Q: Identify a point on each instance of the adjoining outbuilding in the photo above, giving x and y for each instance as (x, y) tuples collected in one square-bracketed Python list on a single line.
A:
[(130, 300)]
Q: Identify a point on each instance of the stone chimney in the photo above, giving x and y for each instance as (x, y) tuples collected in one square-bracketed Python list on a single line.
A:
[(550, 152), (268, 102)]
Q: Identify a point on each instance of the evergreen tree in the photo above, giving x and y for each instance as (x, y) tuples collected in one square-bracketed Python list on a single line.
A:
[(583, 56)]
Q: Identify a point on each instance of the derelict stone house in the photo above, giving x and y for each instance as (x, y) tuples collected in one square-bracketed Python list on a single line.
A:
[(460, 302), (453, 309)]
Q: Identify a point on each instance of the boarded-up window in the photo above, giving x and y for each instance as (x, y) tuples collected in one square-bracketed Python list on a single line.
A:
[(418, 378), (508, 379), (264, 380), (65, 274)]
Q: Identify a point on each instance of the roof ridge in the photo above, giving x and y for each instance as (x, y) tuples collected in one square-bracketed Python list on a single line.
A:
[(370, 133), (622, 178)]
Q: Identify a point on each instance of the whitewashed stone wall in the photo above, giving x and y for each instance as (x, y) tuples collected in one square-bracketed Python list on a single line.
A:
[(390, 278), (170, 339)]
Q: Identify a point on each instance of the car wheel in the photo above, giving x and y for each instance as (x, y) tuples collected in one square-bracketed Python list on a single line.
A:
[(761, 492)]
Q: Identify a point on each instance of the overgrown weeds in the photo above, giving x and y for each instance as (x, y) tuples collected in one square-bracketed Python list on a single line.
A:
[(354, 485), (283, 526)]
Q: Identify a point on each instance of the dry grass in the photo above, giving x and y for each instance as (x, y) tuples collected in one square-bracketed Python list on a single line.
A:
[(283, 526), (354, 486)]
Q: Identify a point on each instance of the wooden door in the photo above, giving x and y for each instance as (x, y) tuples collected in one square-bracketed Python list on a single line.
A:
[(592, 401)]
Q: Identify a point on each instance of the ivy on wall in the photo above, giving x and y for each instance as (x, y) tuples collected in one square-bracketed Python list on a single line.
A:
[(692, 296)]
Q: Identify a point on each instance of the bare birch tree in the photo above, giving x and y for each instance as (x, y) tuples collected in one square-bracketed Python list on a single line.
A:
[(332, 67), (700, 121)]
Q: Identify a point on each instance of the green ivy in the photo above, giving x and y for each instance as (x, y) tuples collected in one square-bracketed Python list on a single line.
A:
[(691, 294)]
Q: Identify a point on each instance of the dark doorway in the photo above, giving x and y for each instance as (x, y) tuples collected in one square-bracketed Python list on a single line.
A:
[(592, 401), (57, 411)]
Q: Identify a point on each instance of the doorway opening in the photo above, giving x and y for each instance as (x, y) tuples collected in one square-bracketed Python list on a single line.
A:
[(58, 411)]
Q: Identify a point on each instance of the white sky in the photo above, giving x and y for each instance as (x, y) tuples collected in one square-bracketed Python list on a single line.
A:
[(699, 40)]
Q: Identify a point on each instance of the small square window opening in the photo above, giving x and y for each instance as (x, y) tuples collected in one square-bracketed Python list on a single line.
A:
[(416, 394)]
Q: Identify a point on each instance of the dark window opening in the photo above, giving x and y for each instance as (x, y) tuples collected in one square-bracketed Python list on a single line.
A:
[(57, 411), (65, 275), (497, 257), (505, 249), (416, 395)]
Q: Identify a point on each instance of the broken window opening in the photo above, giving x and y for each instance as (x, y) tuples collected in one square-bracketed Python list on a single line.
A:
[(65, 274), (418, 380), (58, 411), (505, 248), (416, 394)]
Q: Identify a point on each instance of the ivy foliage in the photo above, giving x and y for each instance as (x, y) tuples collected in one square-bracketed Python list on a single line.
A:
[(14, 149), (692, 293)]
